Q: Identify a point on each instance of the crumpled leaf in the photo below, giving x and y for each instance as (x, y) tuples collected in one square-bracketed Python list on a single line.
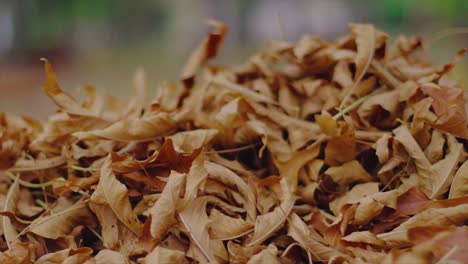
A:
[(113, 193), (219, 222), (348, 173), (162, 255), (109, 256), (268, 223), (164, 210), (79, 255), (22, 253), (189, 141), (459, 186), (10, 204), (448, 243), (60, 223), (205, 51), (449, 106), (305, 237), (444, 170), (63, 100), (146, 128), (456, 215), (196, 221), (267, 255), (365, 237), (166, 156)]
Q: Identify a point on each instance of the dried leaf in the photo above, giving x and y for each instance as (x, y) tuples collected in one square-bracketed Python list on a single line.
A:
[(303, 235), (449, 106), (196, 221), (61, 223), (10, 204), (460, 182), (205, 51), (162, 255), (146, 128), (113, 193), (268, 255), (164, 210), (22, 253), (268, 223), (348, 173), (219, 222), (109, 256)]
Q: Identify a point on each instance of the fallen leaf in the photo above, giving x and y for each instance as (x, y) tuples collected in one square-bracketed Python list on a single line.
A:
[(60, 223), (348, 173), (218, 223), (196, 221), (113, 193), (161, 255), (109, 256), (267, 255), (268, 223), (304, 236), (459, 186), (163, 211)]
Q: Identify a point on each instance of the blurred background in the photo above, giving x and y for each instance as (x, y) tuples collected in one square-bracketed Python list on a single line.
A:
[(103, 42)]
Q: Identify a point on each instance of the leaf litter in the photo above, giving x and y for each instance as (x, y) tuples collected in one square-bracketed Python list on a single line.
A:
[(345, 151)]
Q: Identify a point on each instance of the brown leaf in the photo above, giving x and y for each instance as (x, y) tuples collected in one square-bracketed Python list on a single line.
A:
[(79, 255), (364, 237), (305, 237), (10, 205), (206, 50), (162, 255), (267, 255), (63, 100), (164, 210), (166, 157), (145, 128), (113, 193), (268, 223), (219, 222), (19, 254), (61, 223), (348, 173), (449, 106), (196, 221), (460, 182), (108, 256), (456, 215), (342, 148)]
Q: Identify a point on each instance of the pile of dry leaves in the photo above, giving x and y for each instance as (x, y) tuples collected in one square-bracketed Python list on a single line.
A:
[(315, 151)]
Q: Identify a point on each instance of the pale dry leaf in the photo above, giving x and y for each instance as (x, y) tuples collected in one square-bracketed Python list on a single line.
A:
[(228, 177), (113, 193), (365, 237), (456, 215), (224, 227), (459, 187), (146, 128), (348, 173), (268, 255), (161, 255), (445, 169), (163, 211), (196, 221), (300, 232), (188, 141), (61, 223), (10, 204), (267, 224), (108, 256)]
